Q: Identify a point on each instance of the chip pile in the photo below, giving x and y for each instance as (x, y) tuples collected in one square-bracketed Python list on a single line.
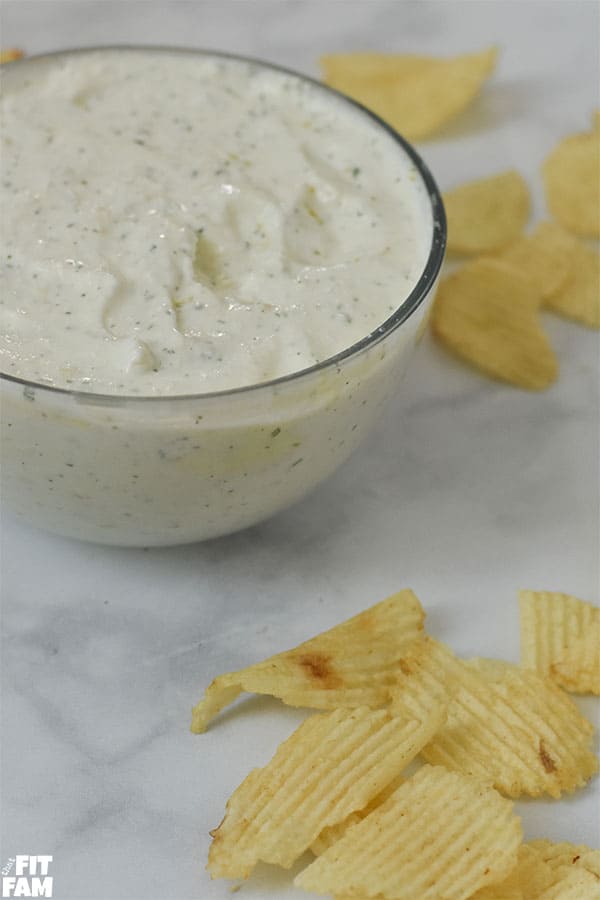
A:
[(476, 734)]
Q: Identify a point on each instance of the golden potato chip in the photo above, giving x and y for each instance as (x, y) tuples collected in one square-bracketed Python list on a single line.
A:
[(515, 728), (564, 854), (7, 56), (331, 766), (530, 876), (353, 664), (572, 183), (486, 214), (560, 637), (417, 95), (424, 680), (441, 834), (332, 834), (579, 297), (487, 313), (545, 258), (596, 120), (574, 884)]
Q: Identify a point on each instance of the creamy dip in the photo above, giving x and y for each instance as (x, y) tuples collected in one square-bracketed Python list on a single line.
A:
[(175, 223)]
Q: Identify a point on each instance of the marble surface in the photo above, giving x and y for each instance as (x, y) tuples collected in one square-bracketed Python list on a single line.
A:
[(466, 491)]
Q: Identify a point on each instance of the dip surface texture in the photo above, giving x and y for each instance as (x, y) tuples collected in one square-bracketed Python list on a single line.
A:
[(174, 223)]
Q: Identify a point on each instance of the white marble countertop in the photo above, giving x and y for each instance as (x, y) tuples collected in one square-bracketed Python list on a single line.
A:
[(466, 491)]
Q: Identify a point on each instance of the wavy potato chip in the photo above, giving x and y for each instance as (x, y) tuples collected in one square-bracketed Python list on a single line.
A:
[(332, 765), (545, 258), (572, 183), (417, 95), (530, 876), (425, 679), (546, 870), (487, 313), (579, 297), (11, 55), (515, 728), (564, 854), (572, 885), (441, 834), (486, 214), (353, 664), (333, 833), (560, 637)]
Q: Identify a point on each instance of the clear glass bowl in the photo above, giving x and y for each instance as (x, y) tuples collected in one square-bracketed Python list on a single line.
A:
[(143, 471)]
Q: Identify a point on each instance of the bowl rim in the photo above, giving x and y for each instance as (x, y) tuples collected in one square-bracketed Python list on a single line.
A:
[(401, 314)]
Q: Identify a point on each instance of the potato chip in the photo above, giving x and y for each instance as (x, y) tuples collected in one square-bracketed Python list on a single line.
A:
[(417, 95), (545, 257), (515, 728), (487, 313), (564, 854), (486, 214), (441, 834), (7, 56), (424, 680), (572, 885), (596, 120), (560, 637), (353, 664), (530, 876), (331, 766), (579, 297), (330, 835), (572, 183)]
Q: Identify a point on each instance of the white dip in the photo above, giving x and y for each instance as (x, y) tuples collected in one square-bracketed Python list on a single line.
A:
[(176, 224)]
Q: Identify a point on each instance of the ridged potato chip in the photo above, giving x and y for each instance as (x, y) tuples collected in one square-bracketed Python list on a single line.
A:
[(330, 835), (353, 664), (515, 728), (424, 680), (565, 856), (579, 297), (486, 214), (11, 55), (417, 95), (487, 313), (524, 882), (572, 183), (331, 766), (551, 871), (441, 834), (572, 885), (560, 637), (545, 258)]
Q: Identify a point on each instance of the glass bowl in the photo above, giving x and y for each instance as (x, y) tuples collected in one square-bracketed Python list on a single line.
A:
[(148, 471)]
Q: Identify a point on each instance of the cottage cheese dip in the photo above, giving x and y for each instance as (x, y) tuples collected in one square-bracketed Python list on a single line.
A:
[(174, 224)]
